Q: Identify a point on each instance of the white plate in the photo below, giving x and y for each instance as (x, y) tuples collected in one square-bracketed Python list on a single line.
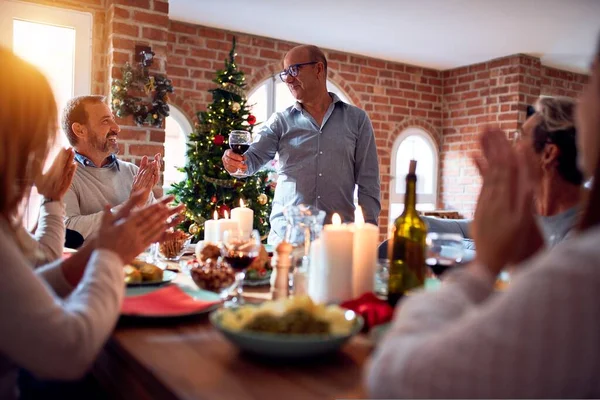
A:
[(168, 276)]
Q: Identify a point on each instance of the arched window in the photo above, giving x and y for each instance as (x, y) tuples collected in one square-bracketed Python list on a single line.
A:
[(414, 144), (273, 95), (177, 128)]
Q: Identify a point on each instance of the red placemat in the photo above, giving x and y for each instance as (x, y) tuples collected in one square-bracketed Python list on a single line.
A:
[(165, 302)]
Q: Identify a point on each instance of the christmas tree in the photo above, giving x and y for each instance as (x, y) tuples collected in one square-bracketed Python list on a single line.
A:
[(208, 186)]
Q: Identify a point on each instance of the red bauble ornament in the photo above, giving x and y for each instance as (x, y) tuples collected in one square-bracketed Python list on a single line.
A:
[(219, 140), (213, 199), (251, 119), (221, 210)]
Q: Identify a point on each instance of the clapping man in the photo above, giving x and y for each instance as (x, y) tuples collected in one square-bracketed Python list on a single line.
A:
[(101, 177)]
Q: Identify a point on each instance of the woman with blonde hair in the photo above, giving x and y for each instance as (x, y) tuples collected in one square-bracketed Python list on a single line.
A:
[(539, 339), (55, 319)]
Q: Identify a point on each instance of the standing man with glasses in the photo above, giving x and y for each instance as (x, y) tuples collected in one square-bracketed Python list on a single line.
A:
[(325, 147)]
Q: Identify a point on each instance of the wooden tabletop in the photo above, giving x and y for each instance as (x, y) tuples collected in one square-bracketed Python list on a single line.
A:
[(188, 359)]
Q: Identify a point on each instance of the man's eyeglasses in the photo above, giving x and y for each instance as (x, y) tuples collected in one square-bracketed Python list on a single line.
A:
[(293, 70)]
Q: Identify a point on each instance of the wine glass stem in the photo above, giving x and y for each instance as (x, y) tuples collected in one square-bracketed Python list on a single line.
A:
[(239, 277)]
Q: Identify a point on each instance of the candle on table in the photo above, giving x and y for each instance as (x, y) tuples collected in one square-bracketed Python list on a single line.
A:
[(210, 229), (316, 273), (225, 224), (244, 217), (330, 275), (364, 263)]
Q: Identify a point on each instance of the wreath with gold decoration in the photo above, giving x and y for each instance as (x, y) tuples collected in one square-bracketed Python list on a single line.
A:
[(127, 95)]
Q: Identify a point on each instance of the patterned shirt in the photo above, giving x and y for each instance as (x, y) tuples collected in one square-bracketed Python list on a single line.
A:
[(86, 162), (319, 165)]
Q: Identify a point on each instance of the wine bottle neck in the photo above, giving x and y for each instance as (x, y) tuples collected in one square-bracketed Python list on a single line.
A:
[(410, 197)]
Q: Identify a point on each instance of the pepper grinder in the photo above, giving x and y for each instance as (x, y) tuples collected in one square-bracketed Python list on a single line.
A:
[(281, 288)]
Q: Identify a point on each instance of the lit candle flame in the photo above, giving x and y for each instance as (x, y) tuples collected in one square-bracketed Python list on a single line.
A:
[(242, 205), (336, 219), (226, 214), (215, 215), (359, 218)]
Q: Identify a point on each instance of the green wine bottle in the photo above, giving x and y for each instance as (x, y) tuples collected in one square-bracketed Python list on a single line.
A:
[(406, 248)]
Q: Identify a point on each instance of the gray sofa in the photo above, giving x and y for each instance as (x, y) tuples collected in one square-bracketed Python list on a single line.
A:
[(440, 225)]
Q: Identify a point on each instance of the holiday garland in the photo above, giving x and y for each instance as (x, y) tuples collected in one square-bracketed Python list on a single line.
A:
[(138, 81)]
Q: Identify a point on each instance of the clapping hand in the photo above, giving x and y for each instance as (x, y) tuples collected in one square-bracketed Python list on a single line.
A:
[(156, 164), (56, 181), (129, 231), (147, 177), (504, 227)]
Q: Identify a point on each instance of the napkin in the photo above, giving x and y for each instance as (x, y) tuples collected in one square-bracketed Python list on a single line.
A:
[(164, 302), (373, 310)]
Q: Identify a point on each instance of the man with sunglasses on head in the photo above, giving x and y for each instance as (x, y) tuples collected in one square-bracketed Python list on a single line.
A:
[(325, 147), (550, 131)]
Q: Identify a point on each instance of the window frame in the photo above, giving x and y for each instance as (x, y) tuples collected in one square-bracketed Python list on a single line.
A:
[(81, 22), (423, 198), (182, 120)]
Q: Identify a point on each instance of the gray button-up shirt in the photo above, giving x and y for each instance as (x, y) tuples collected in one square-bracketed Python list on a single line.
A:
[(319, 165)]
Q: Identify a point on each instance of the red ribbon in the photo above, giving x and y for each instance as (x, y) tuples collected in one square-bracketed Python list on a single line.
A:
[(373, 310)]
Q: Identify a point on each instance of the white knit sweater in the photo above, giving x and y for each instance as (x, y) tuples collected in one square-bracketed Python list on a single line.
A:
[(538, 339), (49, 328)]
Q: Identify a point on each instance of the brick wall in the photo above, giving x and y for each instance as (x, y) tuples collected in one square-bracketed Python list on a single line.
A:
[(494, 92), (555, 82), (395, 95)]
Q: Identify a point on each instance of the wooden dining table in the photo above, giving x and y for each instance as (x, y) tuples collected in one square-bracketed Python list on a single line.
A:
[(186, 358)]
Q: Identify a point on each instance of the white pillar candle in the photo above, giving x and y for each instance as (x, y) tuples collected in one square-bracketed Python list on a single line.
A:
[(333, 272), (244, 217), (317, 275), (225, 224), (210, 229), (364, 263)]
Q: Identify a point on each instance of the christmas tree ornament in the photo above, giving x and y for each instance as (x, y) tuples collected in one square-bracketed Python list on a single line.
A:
[(194, 229), (262, 199), (251, 119), (219, 140), (213, 199), (221, 209), (234, 89), (236, 107)]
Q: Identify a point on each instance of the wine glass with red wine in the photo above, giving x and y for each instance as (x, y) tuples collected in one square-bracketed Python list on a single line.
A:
[(239, 143), (444, 251), (239, 251)]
